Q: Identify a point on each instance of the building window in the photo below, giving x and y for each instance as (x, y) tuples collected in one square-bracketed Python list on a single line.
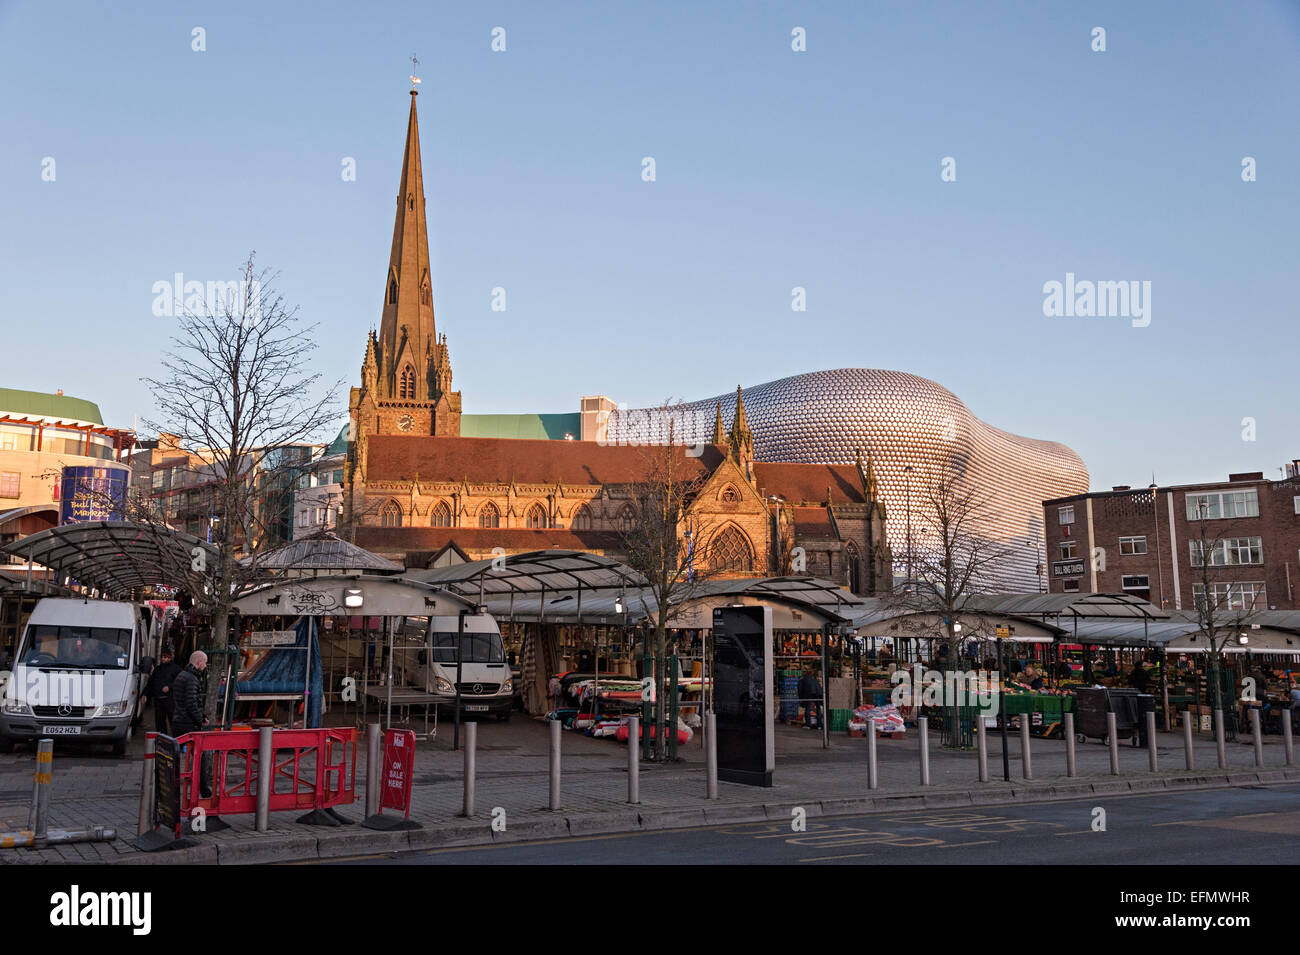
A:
[(730, 495), (581, 520), (1295, 501), (392, 291), (489, 516), (853, 568), (1070, 586), (1065, 514), (424, 295), (535, 517), (9, 483), (1069, 549), (730, 552), (337, 477), (391, 515), (1228, 553), (1132, 545), (440, 516), (1218, 505), (1135, 582), (302, 518), (406, 388), (626, 519), (1232, 596)]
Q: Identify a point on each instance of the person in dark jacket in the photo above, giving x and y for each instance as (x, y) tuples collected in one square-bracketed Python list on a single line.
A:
[(810, 691), (158, 689), (1139, 679), (187, 696)]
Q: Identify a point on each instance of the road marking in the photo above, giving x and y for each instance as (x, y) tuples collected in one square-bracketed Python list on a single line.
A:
[(1077, 832), (855, 855), (1181, 822), (958, 845)]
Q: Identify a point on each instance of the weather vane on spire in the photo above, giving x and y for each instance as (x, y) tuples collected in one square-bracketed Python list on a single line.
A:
[(415, 80)]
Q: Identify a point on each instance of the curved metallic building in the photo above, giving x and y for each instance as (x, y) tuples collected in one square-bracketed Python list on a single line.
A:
[(825, 417)]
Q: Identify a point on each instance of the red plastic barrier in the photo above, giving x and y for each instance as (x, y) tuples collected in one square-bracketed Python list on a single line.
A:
[(234, 774)]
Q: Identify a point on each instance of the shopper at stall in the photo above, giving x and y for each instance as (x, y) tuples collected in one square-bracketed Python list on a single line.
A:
[(810, 692), (1139, 679), (187, 700), (158, 690)]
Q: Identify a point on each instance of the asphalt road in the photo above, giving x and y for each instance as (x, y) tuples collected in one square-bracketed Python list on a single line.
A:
[(1248, 825)]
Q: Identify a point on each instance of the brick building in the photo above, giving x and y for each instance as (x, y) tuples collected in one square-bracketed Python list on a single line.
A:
[(418, 490), (1148, 541)]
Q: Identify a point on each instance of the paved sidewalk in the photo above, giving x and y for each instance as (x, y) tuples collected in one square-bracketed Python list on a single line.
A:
[(513, 776)]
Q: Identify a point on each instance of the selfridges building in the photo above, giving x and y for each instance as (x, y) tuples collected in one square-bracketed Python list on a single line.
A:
[(902, 421)]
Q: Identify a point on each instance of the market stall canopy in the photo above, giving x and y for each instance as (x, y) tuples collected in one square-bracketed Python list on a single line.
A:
[(367, 595), (1102, 632), (116, 557), (1062, 605), (321, 553), (15, 580), (538, 572), (823, 600)]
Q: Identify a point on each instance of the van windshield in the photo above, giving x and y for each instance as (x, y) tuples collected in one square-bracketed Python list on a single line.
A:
[(101, 648), (475, 648)]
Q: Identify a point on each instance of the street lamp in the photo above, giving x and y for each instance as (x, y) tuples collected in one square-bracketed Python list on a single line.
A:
[(1155, 515), (908, 470)]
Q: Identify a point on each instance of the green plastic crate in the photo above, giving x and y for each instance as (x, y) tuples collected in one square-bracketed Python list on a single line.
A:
[(840, 720)]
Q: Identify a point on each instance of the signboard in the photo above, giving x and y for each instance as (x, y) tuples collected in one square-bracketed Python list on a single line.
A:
[(399, 761), (1002, 632), (1068, 568), (742, 694), (271, 638), (92, 494), (167, 783)]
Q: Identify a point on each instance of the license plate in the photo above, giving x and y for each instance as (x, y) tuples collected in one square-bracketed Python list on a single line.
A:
[(476, 709), (60, 730)]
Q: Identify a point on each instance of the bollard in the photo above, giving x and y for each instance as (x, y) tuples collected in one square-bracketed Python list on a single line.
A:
[(1113, 741), (873, 766), (1287, 744), (633, 764), (982, 741), (711, 754), (923, 731), (1151, 741), (1255, 736), (145, 821), (1187, 739), (44, 773), (373, 767), (471, 742), (1071, 767), (555, 762), (266, 777), (1026, 757), (1218, 739)]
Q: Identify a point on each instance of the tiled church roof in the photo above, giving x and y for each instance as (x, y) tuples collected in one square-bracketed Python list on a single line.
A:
[(807, 483), (478, 539)]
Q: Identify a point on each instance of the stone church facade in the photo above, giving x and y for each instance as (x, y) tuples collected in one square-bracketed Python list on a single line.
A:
[(419, 492)]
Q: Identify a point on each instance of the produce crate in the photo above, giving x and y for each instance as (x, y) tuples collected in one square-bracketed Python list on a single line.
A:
[(840, 720)]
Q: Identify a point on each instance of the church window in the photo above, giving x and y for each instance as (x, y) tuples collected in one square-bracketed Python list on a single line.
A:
[(440, 516), (406, 388), (730, 551), (536, 517), (626, 519), (489, 516), (581, 519), (853, 568), (392, 291), (730, 495), (391, 515)]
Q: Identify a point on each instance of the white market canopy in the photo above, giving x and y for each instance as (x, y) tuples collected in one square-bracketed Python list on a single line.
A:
[(337, 595)]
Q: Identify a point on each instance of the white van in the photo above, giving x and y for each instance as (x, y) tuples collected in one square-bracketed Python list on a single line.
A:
[(486, 686), (79, 673)]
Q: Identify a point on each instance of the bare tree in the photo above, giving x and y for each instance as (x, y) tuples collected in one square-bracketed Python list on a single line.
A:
[(237, 391), (659, 539), (1223, 607), (951, 563)]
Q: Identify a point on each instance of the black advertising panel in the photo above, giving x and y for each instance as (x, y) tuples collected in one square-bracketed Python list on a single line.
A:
[(742, 694), (167, 788)]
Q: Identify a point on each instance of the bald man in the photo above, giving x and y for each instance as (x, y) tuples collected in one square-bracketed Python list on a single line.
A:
[(187, 699)]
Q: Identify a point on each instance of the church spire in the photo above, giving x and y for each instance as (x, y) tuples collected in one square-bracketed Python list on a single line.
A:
[(740, 439), (407, 334), (719, 434)]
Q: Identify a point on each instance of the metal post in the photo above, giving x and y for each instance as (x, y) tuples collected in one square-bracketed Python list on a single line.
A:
[(1071, 766), (1112, 740), (1151, 740), (873, 767), (633, 764), (372, 768), (44, 773), (145, 822), (388, 720), (266, 777), (471, 739), (982, 744), (711, 754), (1026, 757), (555, 762), (923, 731), (1187, 739), (1002, 706), (1287, 743), (1218, 739), (1254, 733), (460, 640)]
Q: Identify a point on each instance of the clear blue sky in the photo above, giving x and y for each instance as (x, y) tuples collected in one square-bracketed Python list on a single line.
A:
[(775, 169)]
